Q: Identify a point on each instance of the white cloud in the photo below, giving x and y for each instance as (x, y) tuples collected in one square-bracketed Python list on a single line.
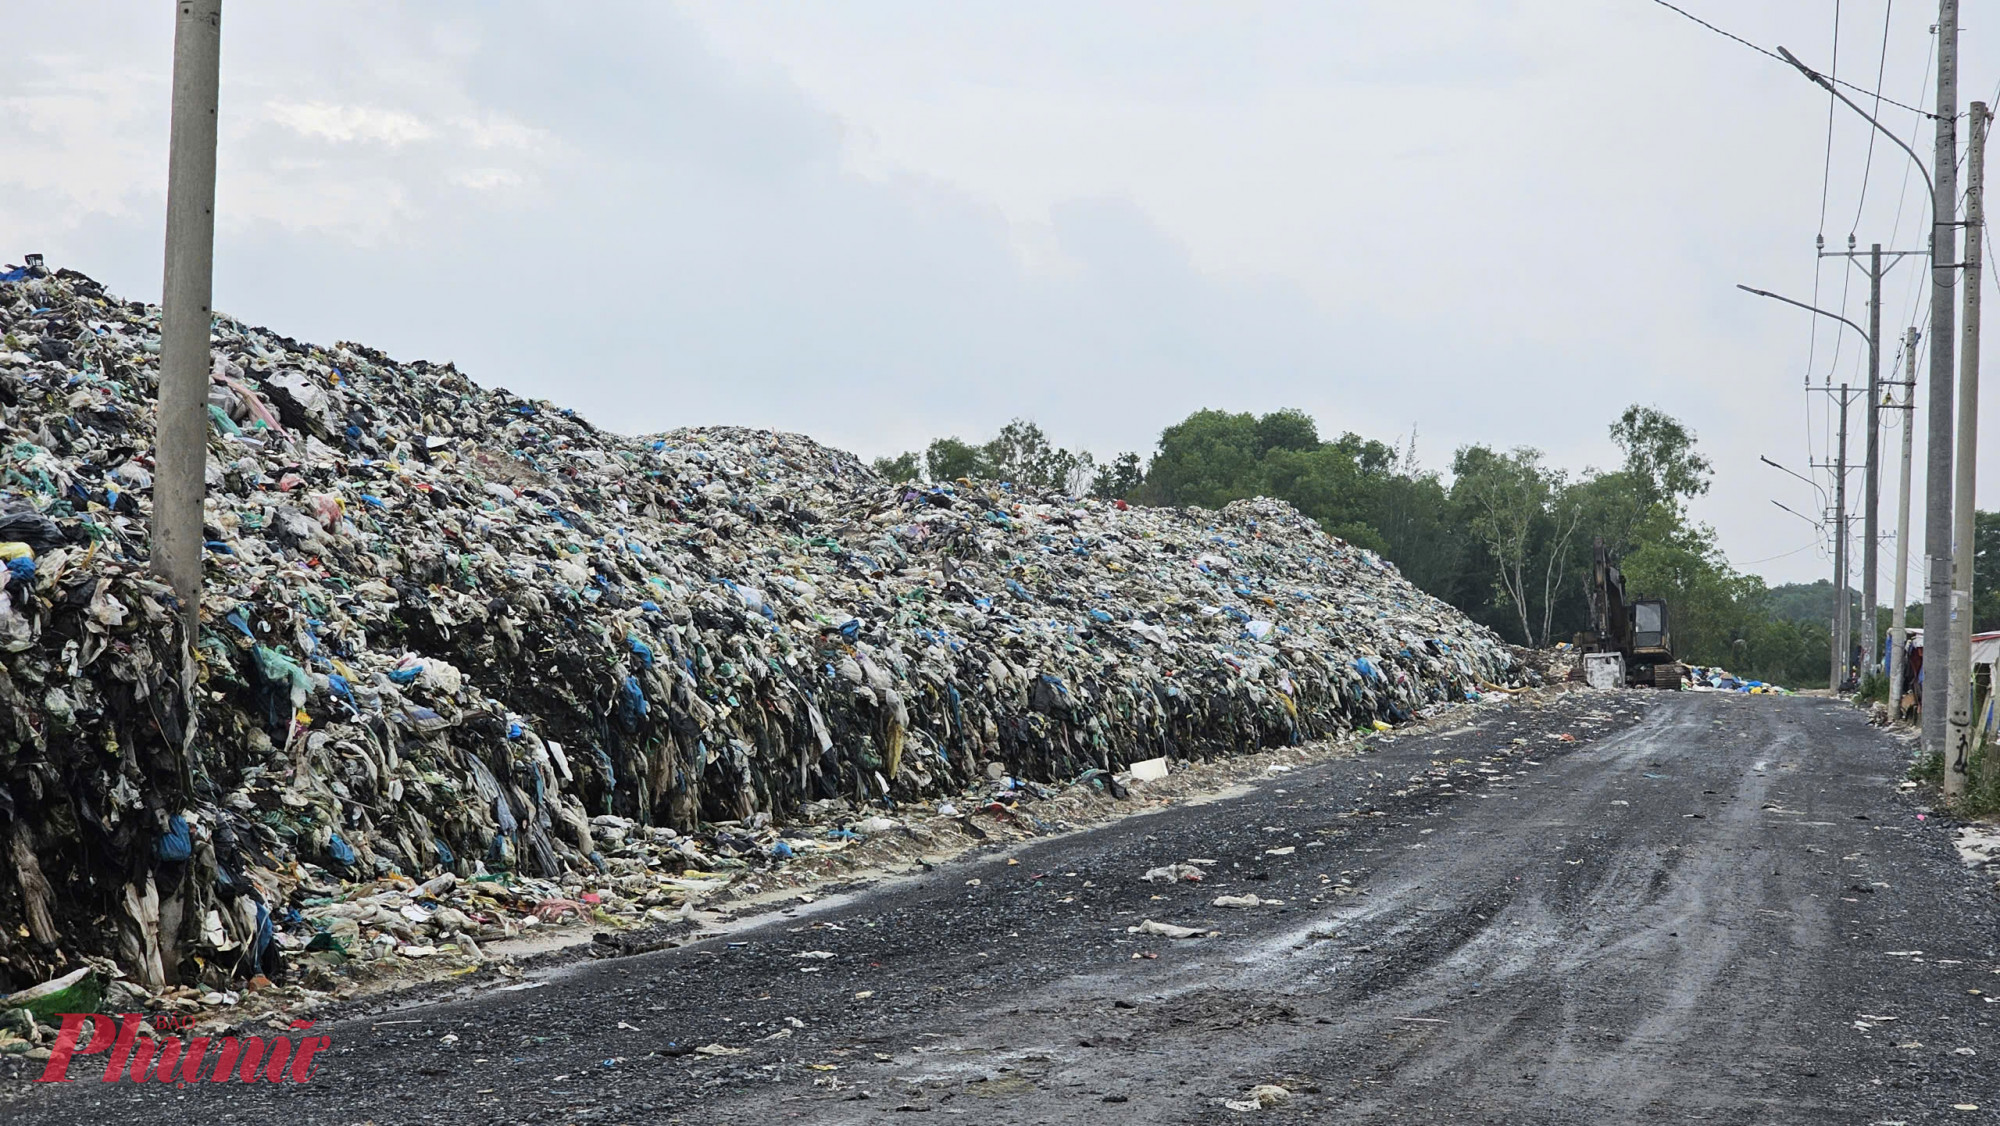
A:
[(495, 131), (345, 123), (487, 179)]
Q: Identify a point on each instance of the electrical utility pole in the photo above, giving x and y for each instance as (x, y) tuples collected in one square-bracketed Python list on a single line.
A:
[(1899, 621), (1870, 479), (181, 456), (1841, 641), (1938, 459), (1844, 640), (1958, 720), (1841, 638), (1944, 244), (1871, 476)]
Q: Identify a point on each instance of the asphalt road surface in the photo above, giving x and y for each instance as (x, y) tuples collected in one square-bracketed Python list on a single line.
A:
[(1704, 908)]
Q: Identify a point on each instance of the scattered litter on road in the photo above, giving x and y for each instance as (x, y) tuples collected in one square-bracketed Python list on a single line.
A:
[(1168, 930), (1251, 900), (1264, 1096)]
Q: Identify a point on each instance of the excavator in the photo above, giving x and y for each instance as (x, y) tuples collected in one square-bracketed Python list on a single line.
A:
[(1635, 630)]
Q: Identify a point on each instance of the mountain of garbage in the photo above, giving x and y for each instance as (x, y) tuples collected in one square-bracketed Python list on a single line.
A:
[(450, 631)]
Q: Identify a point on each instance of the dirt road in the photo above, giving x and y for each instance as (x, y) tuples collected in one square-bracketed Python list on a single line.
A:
[(1703, 908)]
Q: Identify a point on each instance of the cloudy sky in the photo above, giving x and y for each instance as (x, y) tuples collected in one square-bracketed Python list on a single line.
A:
[(878, 221)]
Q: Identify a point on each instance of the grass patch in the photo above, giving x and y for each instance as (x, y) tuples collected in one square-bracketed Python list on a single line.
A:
[(1982, 789)]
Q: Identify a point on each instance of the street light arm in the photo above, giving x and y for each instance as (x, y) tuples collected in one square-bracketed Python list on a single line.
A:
[(1819, 80), (1802, 516), (1808, 308), (1800, 476)]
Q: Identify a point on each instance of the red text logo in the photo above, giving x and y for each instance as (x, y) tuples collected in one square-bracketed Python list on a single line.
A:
[(129, 1056)]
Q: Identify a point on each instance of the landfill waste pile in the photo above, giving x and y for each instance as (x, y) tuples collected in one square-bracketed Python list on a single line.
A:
[(1554, 665), (467, 663), (1710, 678)]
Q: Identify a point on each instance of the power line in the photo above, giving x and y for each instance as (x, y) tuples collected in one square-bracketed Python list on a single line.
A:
[(1825, 182), (1991, 266), (1773, 55), (1930, 58), (1819, 236), (1881, 68), (1781, 555), (1826, 168)]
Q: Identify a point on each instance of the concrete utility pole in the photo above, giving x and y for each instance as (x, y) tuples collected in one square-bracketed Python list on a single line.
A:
[(1938, 459), (1958, 720), (181, 452), (1871, 480), (1944, 242), (1843, 606), (1841, 637), (1871, 486), (1899, 633)]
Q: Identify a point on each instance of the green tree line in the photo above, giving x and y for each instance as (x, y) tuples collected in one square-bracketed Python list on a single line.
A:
[(1503, 535)]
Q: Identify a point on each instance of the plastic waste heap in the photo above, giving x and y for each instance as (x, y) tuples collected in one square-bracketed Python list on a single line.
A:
[(444, 627)]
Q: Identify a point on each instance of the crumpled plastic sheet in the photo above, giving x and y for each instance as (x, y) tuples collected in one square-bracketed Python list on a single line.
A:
[(445, 627)]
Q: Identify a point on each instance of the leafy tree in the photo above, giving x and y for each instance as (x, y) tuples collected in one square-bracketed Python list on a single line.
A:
[(1706, 600), (1021, 452), (902, 467), (1118, 478), (1423, 535), (1807, 602), (948, 459), (1503, 495), (1326, 483), (1208, 458), (1660, 455), (1288, 429)]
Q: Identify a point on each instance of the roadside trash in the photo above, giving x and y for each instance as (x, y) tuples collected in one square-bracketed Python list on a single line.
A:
[(447, 630), (1709, 678), (80, 991), (1148, 770), (1168, 930), (1264, 1096), (1246, 901)]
